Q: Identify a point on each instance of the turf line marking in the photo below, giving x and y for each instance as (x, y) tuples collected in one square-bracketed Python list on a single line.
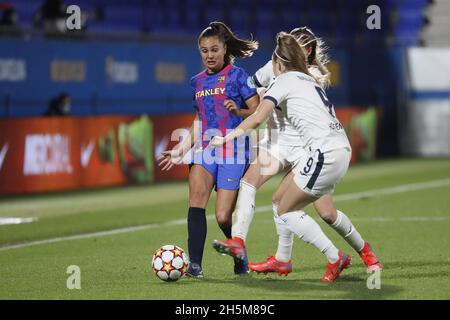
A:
[(344, 197), (13, 220), (387, 219), (381, 192)]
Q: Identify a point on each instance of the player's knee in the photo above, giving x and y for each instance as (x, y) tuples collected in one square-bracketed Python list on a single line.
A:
[(276, 199), (198, 198), (251, 180), (328, 215), (223, 219)]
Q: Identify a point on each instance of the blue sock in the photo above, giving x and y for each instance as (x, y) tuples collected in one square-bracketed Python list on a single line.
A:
[(196, 234)]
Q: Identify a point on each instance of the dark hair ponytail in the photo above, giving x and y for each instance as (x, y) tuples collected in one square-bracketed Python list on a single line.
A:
[(236, 47)]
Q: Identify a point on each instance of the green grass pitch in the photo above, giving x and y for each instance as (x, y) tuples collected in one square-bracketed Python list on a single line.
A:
[(405, 218)]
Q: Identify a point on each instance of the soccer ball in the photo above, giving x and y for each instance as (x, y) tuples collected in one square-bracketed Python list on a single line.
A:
[(170, 263)]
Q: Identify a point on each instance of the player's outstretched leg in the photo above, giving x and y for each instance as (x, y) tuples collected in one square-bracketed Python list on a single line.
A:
[(245, 208), (224, 205), (272, 265), (309, 230), (369, 258), (281, 263), (234, 247), (242, 217), (344, 227), (334, 269)]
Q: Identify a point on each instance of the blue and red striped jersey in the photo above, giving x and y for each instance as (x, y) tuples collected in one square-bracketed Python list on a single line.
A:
[(210, 92)]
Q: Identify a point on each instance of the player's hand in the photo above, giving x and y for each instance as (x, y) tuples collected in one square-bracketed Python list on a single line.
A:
[(217, 141), (169, 159), (231, 107)]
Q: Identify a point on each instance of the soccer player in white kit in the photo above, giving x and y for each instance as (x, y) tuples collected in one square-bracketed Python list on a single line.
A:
[(290, 146), (324, 206)]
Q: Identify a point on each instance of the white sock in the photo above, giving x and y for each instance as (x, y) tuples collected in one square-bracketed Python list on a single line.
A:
[(243, 213), (285, 237), (345, 228), (309, 231)]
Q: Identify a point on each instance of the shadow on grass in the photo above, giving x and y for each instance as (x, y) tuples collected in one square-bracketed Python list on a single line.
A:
[(353, 286), (349, 286), (346, 287)]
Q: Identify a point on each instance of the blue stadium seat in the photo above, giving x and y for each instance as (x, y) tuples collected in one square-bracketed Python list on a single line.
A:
[(413, 5), (410, 19), (290, 19), (213, 14), (324, 5), (345, 25), (117, 3), (352, 5), (26, 10), (193, 22), (406, 37), (318, 21), (267, 4), (193, 4), (267, 23), (239, 21), (84, 4), (130, 17)]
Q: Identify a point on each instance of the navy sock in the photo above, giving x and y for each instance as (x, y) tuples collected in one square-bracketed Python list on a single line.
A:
[(196, 234), (226, 229)]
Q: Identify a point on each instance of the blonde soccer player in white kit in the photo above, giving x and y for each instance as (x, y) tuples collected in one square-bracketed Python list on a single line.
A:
[(338, 220), (313, 139)]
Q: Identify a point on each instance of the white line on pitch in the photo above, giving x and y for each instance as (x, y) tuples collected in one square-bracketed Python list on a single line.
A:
[(344, 197), (388, 219), (381, 192), (7, 220)]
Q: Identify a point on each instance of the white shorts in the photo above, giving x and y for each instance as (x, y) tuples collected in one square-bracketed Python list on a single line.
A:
[(318, 173), (287, 155)]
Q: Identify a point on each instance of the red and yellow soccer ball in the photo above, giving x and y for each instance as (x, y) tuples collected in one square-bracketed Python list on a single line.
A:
[(170, 263)]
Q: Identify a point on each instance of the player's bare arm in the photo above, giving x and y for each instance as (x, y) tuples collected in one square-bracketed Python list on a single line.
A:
[(261, 114)]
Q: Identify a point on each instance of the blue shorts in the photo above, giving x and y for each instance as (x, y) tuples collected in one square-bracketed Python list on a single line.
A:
[(226, 175)]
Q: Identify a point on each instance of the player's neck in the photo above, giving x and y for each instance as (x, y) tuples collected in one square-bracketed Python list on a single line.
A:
[(212, 72)]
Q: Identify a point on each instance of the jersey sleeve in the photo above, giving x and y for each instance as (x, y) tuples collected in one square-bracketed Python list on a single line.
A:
[(246, 88), (277, 91), (264, 76), (194, 102)]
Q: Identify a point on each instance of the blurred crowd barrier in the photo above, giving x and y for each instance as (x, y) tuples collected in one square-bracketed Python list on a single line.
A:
[(55, 154)]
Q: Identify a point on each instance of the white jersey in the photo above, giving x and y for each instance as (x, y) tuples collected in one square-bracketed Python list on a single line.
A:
[(279, 131), (264, 76), (304, 113)]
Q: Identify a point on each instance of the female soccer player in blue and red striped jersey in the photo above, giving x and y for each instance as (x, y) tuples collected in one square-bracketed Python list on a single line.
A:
[(222, 98)]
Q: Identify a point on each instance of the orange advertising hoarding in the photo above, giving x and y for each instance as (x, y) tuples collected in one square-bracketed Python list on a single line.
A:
[(53, 154), (39, 155), (98, 168), (65, 153), (167, 131)]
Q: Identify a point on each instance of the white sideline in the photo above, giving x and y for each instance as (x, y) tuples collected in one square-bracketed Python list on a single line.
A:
[(344, 197)]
